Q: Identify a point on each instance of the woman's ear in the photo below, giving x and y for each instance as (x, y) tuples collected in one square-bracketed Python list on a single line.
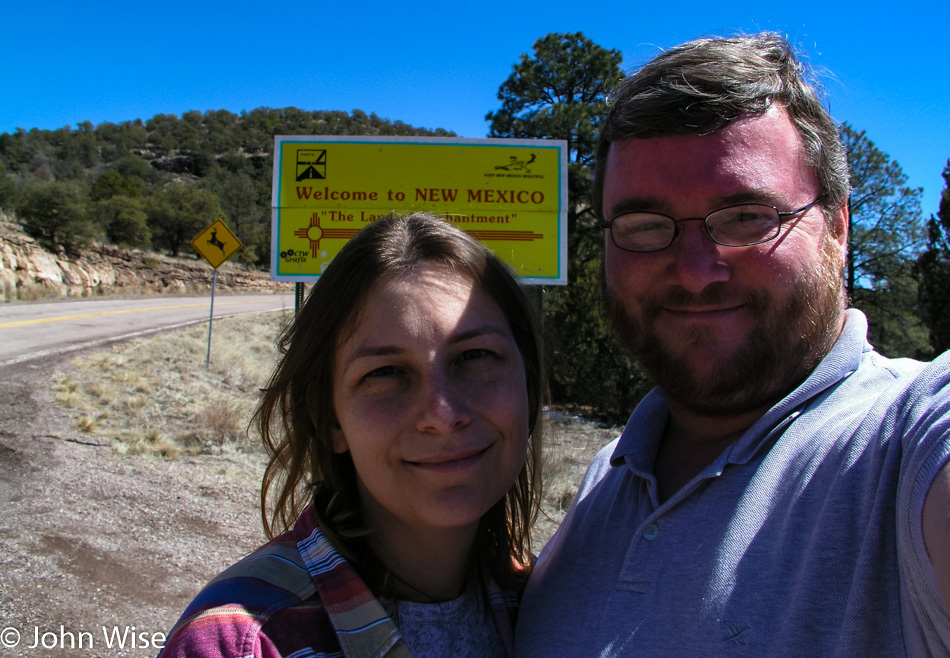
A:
[(338, 438)]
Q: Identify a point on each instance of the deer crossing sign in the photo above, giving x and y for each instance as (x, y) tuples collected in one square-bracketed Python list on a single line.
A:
[(216, 243)]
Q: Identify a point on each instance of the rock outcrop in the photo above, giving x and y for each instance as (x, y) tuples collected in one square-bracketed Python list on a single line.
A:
[(29, 272)]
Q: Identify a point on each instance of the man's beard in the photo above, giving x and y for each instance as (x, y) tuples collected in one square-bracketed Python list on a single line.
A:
[(777, 355)]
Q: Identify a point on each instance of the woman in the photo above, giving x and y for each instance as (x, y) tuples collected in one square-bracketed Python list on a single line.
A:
[(405, 410)]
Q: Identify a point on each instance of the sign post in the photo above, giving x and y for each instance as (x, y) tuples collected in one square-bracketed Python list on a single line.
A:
[(216, 244), (510, 194)]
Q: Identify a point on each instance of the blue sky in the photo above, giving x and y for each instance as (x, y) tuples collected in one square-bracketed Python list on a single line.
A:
[(433, 65)]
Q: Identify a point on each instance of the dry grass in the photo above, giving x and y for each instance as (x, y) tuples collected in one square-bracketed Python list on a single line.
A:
[(66, 390), (155, 396), (88, 424), (569, 447), (35, 293)]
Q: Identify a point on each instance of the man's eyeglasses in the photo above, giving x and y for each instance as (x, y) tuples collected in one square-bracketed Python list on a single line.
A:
[(735, 226)]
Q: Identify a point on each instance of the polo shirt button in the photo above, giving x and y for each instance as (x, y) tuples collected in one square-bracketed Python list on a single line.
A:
[(651, 532)]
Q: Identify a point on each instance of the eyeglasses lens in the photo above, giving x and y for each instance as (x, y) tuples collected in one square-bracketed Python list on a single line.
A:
[(741, 225)]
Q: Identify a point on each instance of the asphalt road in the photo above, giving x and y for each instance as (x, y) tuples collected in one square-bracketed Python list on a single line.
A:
[(31, 331)]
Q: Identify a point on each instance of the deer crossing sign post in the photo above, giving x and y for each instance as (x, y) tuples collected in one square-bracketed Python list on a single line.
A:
[(216, 244)]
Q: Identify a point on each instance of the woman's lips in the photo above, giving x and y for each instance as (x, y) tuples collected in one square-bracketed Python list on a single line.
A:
[(452, 462)]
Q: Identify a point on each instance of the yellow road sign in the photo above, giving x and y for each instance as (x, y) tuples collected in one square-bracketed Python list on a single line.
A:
[(510, 194), (216, 243)]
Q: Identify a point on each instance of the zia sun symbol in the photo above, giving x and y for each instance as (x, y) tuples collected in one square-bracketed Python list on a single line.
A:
[(315, 233)]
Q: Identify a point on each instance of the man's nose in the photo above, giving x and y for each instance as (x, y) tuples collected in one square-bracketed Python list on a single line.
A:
[(697, 260)]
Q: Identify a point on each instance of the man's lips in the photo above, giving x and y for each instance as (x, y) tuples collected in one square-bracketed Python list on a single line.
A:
[(702, 311), (717, 299)]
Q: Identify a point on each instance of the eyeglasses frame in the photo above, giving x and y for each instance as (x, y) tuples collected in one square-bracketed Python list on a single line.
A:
[(676, 225)]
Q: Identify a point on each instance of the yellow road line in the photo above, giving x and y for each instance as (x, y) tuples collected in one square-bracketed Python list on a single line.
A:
[(61, 318)]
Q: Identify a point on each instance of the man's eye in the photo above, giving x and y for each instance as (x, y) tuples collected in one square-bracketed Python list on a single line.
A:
[(646, 227), (750, 218), (641, 226)]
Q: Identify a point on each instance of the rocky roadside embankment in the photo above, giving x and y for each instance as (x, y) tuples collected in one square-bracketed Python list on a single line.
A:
[(28, 272)]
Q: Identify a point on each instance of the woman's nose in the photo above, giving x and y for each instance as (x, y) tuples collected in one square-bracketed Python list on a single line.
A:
[(442, 405)]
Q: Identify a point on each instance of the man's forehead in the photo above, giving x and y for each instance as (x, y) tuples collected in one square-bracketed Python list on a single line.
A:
[(759, 152)]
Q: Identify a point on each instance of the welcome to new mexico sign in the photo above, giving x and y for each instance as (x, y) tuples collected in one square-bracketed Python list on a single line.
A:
[(509, 194)]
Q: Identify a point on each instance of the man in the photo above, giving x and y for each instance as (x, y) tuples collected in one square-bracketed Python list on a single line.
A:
[(784, 490)]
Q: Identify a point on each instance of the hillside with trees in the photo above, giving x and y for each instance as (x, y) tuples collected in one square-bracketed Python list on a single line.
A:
[(157, 183)]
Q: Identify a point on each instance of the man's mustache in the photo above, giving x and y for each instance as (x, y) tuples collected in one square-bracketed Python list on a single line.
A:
[(715, 295)]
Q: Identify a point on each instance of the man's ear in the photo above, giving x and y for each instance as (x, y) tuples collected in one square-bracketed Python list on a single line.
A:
[(840, 221)]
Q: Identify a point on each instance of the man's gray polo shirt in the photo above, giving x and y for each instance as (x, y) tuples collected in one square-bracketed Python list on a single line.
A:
[(803, 538)]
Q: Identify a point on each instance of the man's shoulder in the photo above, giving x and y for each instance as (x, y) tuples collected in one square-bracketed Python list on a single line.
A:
[(882, 381)]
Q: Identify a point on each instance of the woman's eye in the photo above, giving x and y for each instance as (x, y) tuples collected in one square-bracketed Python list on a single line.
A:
[(469, 355), (385, 371)]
